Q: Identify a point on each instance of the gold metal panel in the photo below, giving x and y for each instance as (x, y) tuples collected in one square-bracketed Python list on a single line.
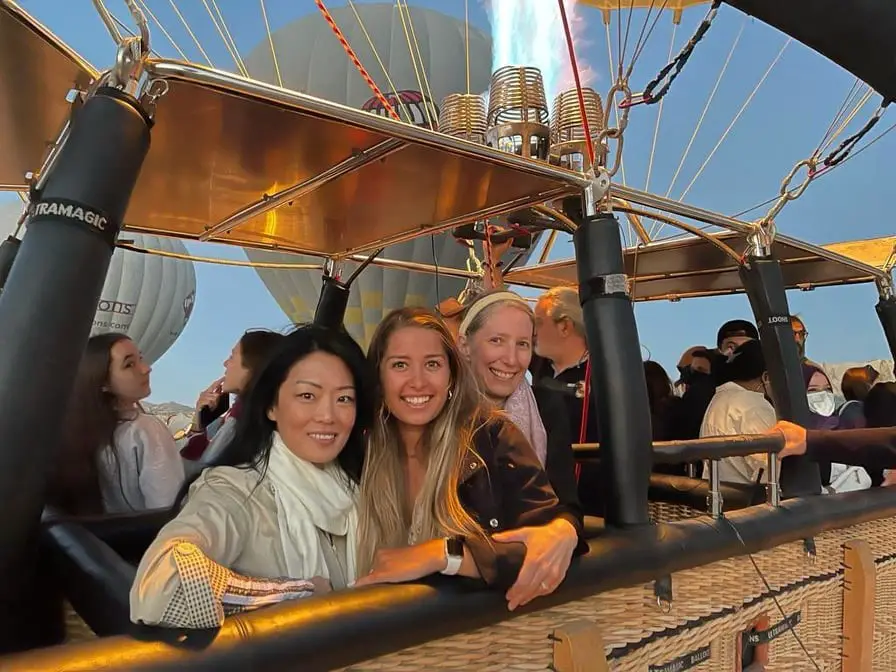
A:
[(693, 267), (36, 73), (221, 143)]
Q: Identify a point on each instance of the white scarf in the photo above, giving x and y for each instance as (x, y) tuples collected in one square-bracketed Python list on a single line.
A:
[(523, 410), (310, 499)]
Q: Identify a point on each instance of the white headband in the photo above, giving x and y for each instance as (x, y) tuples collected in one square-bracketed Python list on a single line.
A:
[(481, 304)]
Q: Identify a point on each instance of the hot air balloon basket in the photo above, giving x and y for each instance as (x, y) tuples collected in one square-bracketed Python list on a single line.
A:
[(76, 630), (779, 610), (664, 512)]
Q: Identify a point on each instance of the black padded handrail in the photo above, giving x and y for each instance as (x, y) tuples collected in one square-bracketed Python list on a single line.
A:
[(694, 450), (342, 629)]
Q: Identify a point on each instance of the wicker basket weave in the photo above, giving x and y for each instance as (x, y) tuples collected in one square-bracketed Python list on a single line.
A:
[(713, 605)]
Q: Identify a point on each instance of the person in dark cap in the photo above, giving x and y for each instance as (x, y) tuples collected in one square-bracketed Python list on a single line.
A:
[(734, 333), (739, 406), (702, 371)]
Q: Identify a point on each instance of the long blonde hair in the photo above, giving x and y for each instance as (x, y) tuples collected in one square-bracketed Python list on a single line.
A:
[(384, 521)]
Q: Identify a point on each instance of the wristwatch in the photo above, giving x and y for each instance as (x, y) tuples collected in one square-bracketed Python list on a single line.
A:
[(454, 555)]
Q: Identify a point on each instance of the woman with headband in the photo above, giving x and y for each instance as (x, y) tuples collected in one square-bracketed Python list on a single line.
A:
[(495, 337)]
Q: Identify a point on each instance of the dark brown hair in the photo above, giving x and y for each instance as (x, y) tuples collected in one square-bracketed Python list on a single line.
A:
[(256, 348), (857, 382), (90, 422)]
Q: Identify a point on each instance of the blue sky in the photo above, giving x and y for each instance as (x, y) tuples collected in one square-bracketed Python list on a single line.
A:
[(783, 124)]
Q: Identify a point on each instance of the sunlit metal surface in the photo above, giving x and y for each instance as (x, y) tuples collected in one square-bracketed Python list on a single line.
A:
[(693, 267), (222, 143), (37, 71)]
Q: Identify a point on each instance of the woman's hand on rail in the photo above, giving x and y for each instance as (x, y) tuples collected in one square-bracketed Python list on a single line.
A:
[(549, 550), (395, 565), (794, 438), (889, 477)]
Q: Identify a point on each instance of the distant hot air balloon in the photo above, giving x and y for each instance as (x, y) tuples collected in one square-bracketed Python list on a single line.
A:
[(311, 60), (147, 296)]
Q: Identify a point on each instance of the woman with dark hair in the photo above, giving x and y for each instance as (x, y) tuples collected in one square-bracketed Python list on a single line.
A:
[(113, 457), (279, 501), (215, 419), (451, 485), (665, 413), (856, 384)]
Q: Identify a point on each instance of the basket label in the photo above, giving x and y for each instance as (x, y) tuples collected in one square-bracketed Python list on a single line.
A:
[(685, 662), (764, 636)]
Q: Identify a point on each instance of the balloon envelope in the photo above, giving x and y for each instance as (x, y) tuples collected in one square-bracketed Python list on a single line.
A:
[(311, 60), (147, 296)]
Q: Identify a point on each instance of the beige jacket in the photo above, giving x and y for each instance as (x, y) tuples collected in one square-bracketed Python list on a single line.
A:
[(223, 554)]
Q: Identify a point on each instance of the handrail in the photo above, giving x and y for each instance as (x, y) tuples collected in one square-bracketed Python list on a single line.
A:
[(694, 450), (383, 619)]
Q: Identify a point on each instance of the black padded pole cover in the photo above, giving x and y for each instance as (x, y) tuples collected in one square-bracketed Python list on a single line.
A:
[(46, 313), (886, 312), (331, 306), (8, 251), (619, 396), (761, 277)]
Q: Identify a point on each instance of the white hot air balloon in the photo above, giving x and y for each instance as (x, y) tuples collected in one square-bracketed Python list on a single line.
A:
[(311, 60), (147, 296)]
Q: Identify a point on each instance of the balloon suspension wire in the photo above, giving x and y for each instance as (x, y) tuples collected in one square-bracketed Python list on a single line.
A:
[(364, 264), (355, 61), (589, 142), (467, 40)]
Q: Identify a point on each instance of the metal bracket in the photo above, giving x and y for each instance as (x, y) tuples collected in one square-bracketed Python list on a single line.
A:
[(595, 192)]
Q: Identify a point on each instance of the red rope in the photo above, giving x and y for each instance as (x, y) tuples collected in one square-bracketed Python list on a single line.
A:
[(354, 59), (575, 73), (586, 400)]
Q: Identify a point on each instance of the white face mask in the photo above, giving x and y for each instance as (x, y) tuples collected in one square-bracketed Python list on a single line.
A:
[(822, 403)]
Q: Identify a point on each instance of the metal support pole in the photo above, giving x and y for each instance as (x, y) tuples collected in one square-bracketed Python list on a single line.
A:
[(623, 411), (333, 301), (773, 488), (762, 279), (886, 313), (46, 312), (715, 504)]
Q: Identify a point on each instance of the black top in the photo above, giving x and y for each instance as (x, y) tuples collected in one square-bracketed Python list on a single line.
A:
[(560, 463), (566, 384), (503, 487)]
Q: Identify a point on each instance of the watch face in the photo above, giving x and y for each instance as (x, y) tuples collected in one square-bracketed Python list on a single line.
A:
[(455, 547)]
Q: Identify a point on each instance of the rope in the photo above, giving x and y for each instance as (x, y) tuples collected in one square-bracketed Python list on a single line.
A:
[(267, 29), (191, 33), (354, 59), (589, 142), (164, 32), (737, 117), (467, 40), (227, 43), (709, 100), (659, 116), (240, 64), (376, 55), (675, 66)]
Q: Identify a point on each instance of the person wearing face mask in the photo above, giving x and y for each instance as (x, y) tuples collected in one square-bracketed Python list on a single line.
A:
[(835, 477), (739, 406)]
